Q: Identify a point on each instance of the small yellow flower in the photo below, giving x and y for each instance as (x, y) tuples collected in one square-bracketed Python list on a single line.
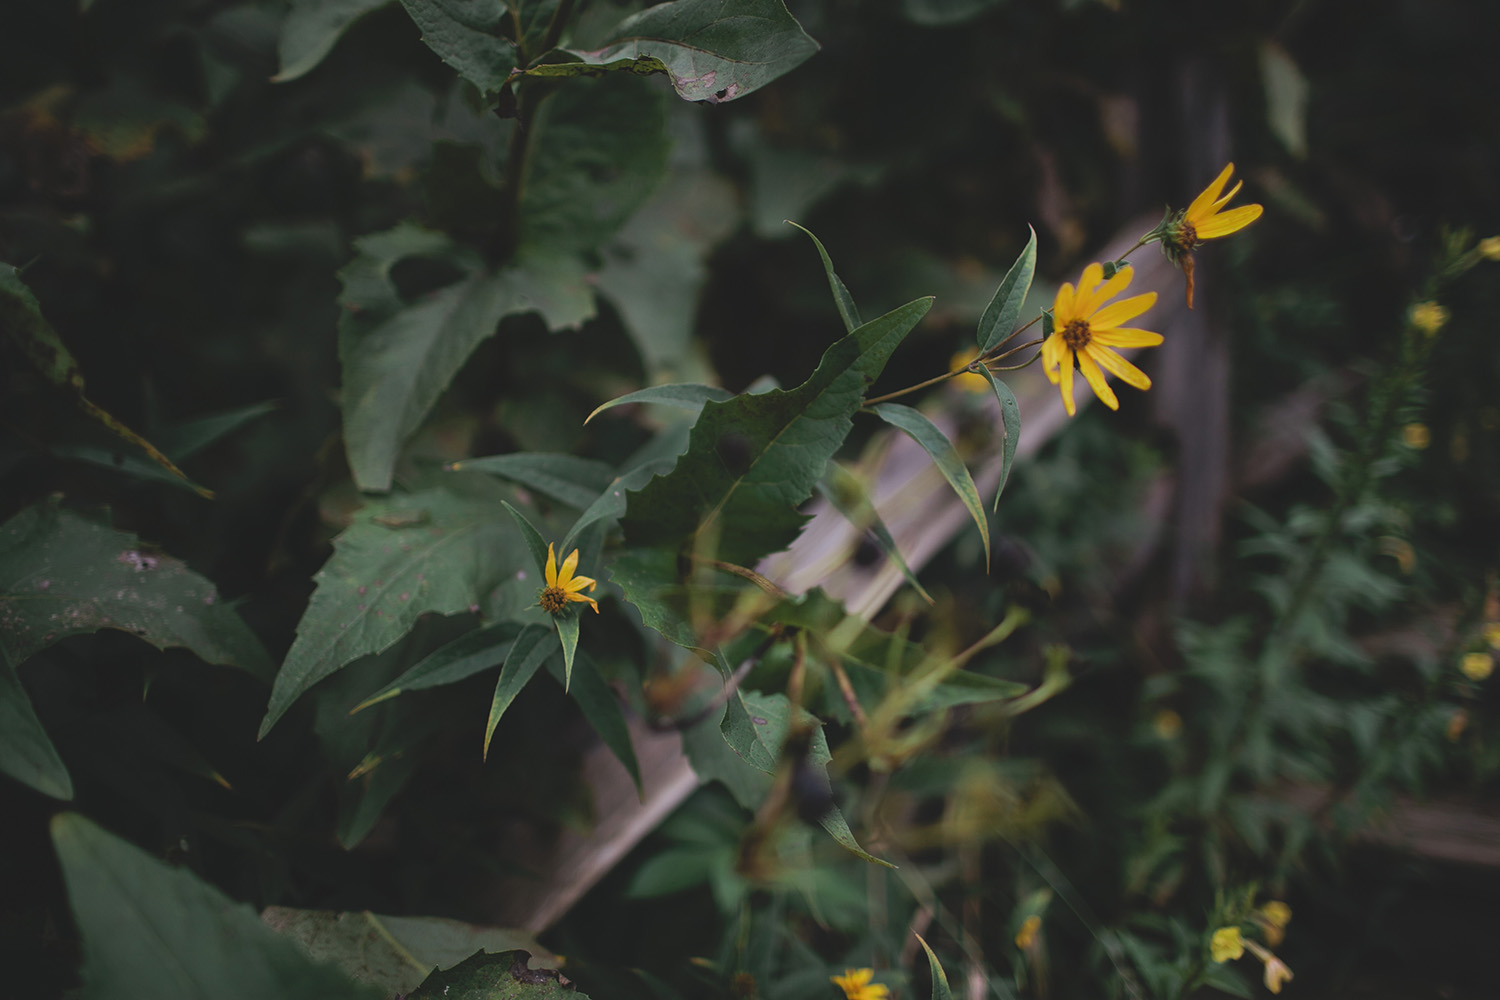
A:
[(1416, 436), (1492, 635), (857, 986), (563, 586), (1205, 220), (1167, 724), (1083, 327), (1489, 248), (1227, 943), (970, 381), (1277, 913), (1030, 928), (1428, 317), (1477, 666)]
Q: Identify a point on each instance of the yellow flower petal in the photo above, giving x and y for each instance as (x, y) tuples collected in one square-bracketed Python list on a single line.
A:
[(1062, 306), (1119, 312), (1114, 286), (1119, 367), (1228, 222), (1227, 943), (1096, 379), (550, 570), (1124, 336), (1203, 205), (1067, 389)]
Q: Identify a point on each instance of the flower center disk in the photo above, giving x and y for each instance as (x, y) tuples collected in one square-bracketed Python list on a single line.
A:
[(1076, 334), (553, 600)]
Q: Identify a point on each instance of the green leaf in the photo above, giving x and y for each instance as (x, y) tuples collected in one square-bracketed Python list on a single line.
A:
[(936, 444), (393, 953), (310, 30), (610, 504), (844, 490), (495, 977), (752, 459), (599, 148), (466, 34), (1010, 413), (686, 395), (186, 439), (1287, 92), (64, 574), (841, 297), (568, 479), (714, 760), (714, 50), (150, 930), (534, 540), (527, 654), (936, 13), (26, 753), (1004, 310), (940, 990), (471, 653), (567, 634), (445, 552), (602, 709)]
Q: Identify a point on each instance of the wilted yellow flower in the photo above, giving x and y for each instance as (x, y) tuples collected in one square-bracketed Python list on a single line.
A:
[(857, 986), (1276, 974), (1416, 436), (1273, 918), (1227, 943), (1026, 936), (1492, 635), (1489, 248), (1477, 666), (1429, 317), (563, 586), (1083, 327), (1205, 220), (969, 381)]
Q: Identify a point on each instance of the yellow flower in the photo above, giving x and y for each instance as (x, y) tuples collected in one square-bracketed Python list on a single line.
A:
[(1167, 724), (1227, 943), (563, 586), (1030, 928), (1477, 666), (1489, 248), (1277, 913), (1428, 317), (857, 986), (970, 381), (1205, 220), (1492, 635), (1416, 436), (1083, 327)]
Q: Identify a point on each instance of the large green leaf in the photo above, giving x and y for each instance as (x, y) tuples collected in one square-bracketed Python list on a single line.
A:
[(394, 953), (686, 395), (945, 456), (601, 708), (574, 481), (753, 459), (599, 149), (310, 30), (466, 34), (713, 50), (505, 976), (471, 653), (26, 753), (940, 990), (1000, 315), (532, 648), (434, 551), (151, 930), (63, 574)]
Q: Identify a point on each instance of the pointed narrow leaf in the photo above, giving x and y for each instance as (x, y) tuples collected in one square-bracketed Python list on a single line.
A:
[(713, 50), (466, 34), (686, 395), (310, 30), (471, 653), (527, 654), (602, 710), (611, 502), (1010, 412), (569, 479), (753, 459), (940, 990), (26, 753), (936, 444), (534, 540), (567, 634), (841, 297), (844, 490), (837, 826), (1000, 315)]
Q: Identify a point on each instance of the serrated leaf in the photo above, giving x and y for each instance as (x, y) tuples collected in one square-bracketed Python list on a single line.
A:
[(940, 990), (841, 297), (393, 953), (150, 930), (495, 977), (1010, 413), (448, 552), (610, 504), (310, 30), (466, 34), (599, 149), (63, 574), (752, 459), (1004, 310), (574, 481), (685, 395), (937, 445), (713, 759), (713, 50), (26, 753), (847, 494), (602, 710), (530, 650), (471, 653)]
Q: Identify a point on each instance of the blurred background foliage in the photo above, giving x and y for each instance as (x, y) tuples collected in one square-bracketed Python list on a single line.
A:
[(1254, 712)]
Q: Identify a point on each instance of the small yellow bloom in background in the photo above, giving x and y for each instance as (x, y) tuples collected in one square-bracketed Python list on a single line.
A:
[(1457, 723), (563, 586), (1277, 974), (1277, 913), (1489, 248), (1492, 635), (1227, 943), (1030, 928), (1477, 666), (857, 986), (1205, 220), (1167, 724), (1416, 436), (972, 381), (1086, 329), (1428, 317)]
